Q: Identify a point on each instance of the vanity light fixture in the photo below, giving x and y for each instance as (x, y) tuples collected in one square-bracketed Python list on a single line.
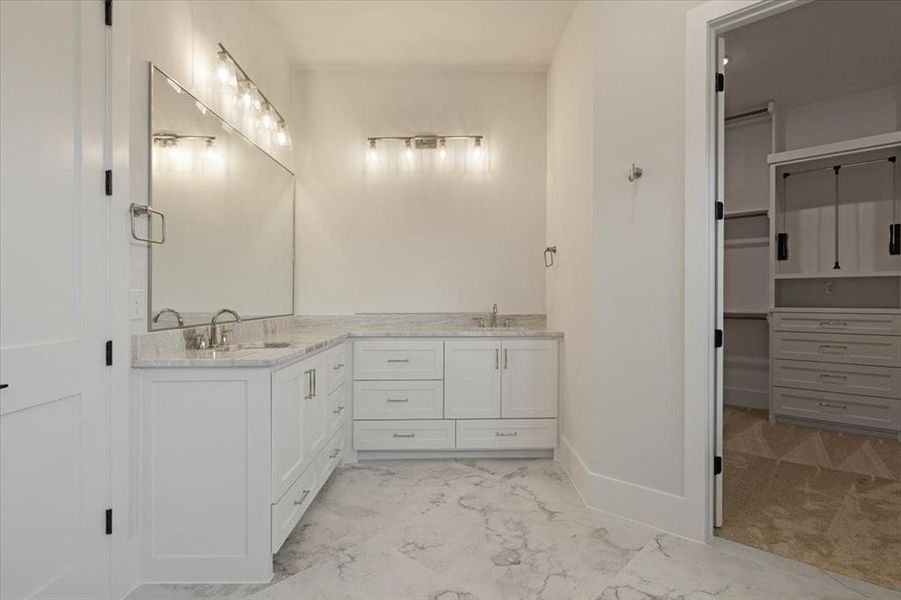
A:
[(426, 142), (251, 98)]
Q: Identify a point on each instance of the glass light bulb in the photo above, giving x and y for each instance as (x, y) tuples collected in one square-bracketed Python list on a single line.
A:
[(442, 149), (408, 151), (266, 118), (478, 152), (281, 137)]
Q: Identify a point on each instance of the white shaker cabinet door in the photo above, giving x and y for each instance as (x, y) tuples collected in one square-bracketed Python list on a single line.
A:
[(291, 387), (472, 379), (529, 379)]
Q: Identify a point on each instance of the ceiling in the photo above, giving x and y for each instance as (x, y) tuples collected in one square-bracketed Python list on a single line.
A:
[(441, 33), (818, 51)]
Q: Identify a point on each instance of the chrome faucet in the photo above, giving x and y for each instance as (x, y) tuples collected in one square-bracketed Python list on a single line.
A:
[(217, 336), (493, 321), (156, 317)]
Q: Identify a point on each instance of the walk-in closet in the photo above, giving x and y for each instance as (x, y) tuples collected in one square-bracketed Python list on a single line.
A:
[(812, 288)]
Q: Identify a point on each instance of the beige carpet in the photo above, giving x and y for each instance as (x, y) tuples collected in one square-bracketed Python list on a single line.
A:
[(828, 499)]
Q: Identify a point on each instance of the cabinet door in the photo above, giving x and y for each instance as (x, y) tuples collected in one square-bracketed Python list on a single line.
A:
[(316, 406), (290, 451), (529, 379), (472, 379)]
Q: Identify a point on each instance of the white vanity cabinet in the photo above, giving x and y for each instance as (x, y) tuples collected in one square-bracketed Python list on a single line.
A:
[(498, 394), (231, 458)]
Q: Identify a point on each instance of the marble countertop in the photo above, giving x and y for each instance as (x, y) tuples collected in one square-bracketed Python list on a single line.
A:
[(308, 335)]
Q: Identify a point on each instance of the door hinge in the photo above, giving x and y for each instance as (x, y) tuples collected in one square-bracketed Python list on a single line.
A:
[(782, 246), (717, 465), (720, 82), (109, 521), (720, 211), (108, 182), (718, 338), (109, 353), (108, 12)]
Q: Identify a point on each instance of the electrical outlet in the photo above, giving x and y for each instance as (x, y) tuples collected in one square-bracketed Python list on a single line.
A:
[(831, 287), (138, 304)]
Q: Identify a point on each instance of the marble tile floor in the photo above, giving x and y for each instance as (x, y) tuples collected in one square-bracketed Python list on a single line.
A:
[(501, 530), (828, 499)]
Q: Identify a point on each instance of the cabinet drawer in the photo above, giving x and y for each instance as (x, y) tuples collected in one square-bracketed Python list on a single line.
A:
[(862, 411), (879, 350), (838, 322), (403, 435), (290, 507), (330, 457), (337, 366), (398, 400), (399, 359), (487, 434), (849, 379), (338, 407)]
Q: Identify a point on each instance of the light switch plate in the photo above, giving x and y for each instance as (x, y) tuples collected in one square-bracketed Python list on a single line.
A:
[(138, 305)]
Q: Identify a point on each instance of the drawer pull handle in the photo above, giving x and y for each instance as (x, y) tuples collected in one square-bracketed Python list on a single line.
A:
[(303, 497), (404, 435), (833, 324), (833, 348), (398, 399), (336, 452), (310, 385), (338, 410), (398, 360), (505, 433), (827, 405), (836, 379), (338, 367)]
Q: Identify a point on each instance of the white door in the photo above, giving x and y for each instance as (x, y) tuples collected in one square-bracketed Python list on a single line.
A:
[(316, 404), (472, 379), (53, 301), (529, 381), (720, 256)]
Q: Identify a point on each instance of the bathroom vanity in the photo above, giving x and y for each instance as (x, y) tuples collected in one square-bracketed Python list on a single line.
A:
[(237, 441)]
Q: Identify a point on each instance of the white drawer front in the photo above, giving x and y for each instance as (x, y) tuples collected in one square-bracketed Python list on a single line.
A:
[(879, 350), (330, 457), (290, 507), (337, 366), (838, 322), (399, 359), (863, 411), (338, 408), (489, 434), (398, 400), (403, 435), (848, 379)]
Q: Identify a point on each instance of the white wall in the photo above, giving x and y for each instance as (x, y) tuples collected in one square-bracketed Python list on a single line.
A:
[(180, 38), (427, 238), (570, 219)]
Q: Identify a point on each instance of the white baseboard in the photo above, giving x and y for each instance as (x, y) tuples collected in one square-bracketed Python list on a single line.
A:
[(746, 398), (363, 455), (643, 505)]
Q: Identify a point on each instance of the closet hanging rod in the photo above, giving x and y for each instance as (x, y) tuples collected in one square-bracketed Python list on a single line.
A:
[(744, 214), (747, 115), (857, 164)]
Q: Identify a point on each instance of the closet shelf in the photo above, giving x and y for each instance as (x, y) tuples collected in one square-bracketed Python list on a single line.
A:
[(837, 275), (853, 146)]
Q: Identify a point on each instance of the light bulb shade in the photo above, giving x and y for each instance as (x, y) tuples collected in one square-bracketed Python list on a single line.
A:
[(372, 154), (442, 149), (281, 136), (478, 152)]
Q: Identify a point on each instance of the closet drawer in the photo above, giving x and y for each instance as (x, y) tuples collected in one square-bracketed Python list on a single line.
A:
[(338, 407), (849, 379), (880, 324), (398, 399), (290, 507), (330, 457), (862, 411), (399, 359), (337, 366), (403, 435), (879, 350), (489, 434)]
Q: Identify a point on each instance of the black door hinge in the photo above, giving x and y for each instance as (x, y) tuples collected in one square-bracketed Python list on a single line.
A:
[(720, 211), (108, 12), (108, 182), (109, 521), (717, 465), (718, 338), (782, 246), (109, 353), (720, 82)]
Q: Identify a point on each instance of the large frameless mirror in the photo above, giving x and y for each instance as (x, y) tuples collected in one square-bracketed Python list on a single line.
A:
[(229, 216)]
